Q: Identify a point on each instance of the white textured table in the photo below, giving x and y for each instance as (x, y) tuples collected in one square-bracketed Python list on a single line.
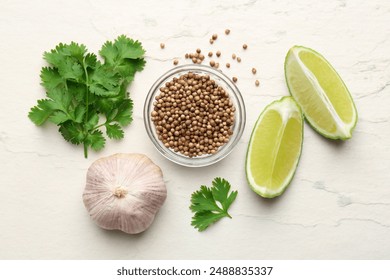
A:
[(338, 205)]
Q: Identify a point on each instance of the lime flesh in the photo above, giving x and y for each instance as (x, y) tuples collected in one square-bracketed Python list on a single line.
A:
[(320, 92), (274, 148)]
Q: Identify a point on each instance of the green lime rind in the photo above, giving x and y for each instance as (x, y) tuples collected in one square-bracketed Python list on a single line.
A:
[(262, 190), (309, 120)]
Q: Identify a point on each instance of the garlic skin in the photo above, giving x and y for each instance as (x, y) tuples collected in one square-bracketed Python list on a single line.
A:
[(124, 192)]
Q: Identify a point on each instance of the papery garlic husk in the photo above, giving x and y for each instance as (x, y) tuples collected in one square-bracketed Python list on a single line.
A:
[(124, 192)]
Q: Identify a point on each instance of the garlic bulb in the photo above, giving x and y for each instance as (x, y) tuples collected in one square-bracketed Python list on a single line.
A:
[(124, 191)]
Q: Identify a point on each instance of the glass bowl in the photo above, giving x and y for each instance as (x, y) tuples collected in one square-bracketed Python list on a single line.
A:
[(238, 126)]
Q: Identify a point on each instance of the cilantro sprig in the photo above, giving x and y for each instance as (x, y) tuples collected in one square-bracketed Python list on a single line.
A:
[(80, 89), (211, 204)]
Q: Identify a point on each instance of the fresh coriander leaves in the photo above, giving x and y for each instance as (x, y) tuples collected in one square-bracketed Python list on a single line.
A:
[(211, 204), (80, 89)]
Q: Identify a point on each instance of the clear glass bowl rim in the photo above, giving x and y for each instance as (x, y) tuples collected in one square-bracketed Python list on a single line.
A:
[(235, 96)]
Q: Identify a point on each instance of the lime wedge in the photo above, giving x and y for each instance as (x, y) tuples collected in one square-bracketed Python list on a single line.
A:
[(320, 92), (274, 148)]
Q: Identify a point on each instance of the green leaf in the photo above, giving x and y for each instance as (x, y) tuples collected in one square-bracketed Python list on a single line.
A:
[(59, 117), (74, 50), (61, 99), (40, 113), (122, 48), (71, 69), (129, 67), (77, 90), (109, 52), (203, 200), (114, 131), (51, 79), (128, 48), (93, 120), (202, 220), (72, 132), (204, 203), (124, 113), (90, 60), (95, 140), (220, 191), (104, 81), (62, 51), (79, 113), (54, 57)]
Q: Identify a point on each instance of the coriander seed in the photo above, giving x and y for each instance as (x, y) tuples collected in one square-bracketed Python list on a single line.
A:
[(198, 50), (214, 37), (234, 56), (227, 65), (212, 63), (244, 46), (162, 45), (254, 70), (175, 62), (210, 54), (227, 31), (193, 115), (211, 41), (235, 79), (218, 53), (238, 59), (257, 83)]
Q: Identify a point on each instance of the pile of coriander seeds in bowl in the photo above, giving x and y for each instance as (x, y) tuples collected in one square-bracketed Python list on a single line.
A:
[(194, 115)]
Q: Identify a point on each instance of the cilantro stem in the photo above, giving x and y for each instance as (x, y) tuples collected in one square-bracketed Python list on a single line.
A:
[(100, 125), (86, 104), (85, 150)]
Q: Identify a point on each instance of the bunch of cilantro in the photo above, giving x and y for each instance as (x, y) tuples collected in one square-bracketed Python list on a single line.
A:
[(81, 90)]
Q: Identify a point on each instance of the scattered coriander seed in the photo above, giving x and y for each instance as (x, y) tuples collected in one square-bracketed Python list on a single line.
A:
[(175, 62), (211, 41), (162, 45), (198, 61), (254, 70), (212, 63), (218, 53), (194, 59), (244, 46), (186, 56), (210, 54), (227, 31), (216, 65), (235, 79), (234, 56), (257, 83), (214, 37), (238, 59), (227, 65), (198, 50)]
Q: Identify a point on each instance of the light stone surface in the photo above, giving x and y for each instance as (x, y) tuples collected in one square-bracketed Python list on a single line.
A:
[(338, 204)]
